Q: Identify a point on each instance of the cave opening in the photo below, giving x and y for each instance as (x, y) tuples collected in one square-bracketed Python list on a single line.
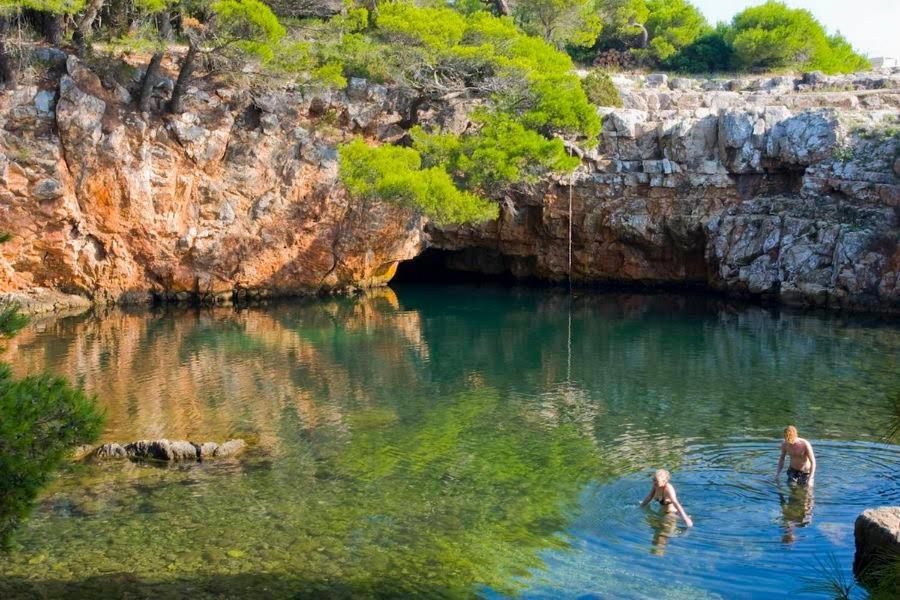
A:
[(468, 265)]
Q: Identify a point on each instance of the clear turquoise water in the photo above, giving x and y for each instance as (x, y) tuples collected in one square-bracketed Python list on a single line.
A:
[(460, 442)]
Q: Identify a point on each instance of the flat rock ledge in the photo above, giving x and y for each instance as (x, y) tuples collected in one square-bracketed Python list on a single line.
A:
[(877, 533), (164, 450)]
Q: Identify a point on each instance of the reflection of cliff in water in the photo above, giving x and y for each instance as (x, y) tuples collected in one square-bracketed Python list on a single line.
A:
[(211, 373), (215, 373)]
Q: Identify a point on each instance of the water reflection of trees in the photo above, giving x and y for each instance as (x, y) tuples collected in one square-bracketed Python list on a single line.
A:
[(442, 436)]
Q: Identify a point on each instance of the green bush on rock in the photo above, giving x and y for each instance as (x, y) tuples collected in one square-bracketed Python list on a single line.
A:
[(600, 89), (502, 153), (395, 174), (529, 95)]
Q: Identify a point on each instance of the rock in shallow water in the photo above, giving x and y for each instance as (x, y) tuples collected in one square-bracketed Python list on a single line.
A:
[(169, 450), (877, 533)]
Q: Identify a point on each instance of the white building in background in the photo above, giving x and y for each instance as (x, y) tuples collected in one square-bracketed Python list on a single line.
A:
[(884, 62)]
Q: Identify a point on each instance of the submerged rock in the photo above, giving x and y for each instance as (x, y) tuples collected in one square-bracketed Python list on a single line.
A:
[(230, 448), (167, 450), (877, 533)]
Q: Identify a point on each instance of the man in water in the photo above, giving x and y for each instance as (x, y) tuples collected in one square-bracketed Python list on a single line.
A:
[(803, 461)]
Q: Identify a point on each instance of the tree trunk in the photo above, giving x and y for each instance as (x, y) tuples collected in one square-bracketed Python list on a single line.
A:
[(7, 72), (501, 7), (184, 77), (118, 18), (164, 25), (645, 35), (150, 78), (85, 23), (53, 28), (411, 118)]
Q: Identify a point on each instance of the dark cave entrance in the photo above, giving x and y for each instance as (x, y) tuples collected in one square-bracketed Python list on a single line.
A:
[(469, 265)]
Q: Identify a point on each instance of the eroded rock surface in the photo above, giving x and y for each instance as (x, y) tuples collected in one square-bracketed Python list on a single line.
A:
[(780, 188), (730, 190), (237, 194)]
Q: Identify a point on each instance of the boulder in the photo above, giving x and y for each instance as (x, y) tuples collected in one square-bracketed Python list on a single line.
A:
[(166, 450), (877, 534)]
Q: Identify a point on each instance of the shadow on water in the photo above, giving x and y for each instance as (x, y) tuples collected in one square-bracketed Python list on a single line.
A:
[(221, 586)]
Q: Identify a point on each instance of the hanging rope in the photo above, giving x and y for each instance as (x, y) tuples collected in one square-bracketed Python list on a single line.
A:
[(569, 270)]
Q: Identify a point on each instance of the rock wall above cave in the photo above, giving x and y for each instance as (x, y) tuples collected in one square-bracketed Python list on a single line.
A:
[(788, 194), (733, 190)]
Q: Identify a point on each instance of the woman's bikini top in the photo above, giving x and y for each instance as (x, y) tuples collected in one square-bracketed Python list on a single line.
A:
[(663, 500)]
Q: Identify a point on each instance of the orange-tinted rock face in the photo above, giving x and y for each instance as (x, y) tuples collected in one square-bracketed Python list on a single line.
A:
[(768, 193), (112, 205)]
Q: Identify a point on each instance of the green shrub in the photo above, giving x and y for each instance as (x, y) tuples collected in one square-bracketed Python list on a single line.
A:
[(502, 153), (41, 419), (395, 174), (600, 89), (710, 53), (773, 36), (529, 93), (672, 25)]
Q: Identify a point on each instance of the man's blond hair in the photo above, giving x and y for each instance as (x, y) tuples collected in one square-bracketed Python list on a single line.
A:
[(790, 434)]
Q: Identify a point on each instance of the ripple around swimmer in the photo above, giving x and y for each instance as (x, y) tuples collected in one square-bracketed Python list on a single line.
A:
[(752, 537)]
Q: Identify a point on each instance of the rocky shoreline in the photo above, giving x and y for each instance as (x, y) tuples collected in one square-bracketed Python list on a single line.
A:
[(782, 189)]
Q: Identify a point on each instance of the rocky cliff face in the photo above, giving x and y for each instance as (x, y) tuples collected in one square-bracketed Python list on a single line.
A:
[(773, 192), (732, 190), (236, 196)]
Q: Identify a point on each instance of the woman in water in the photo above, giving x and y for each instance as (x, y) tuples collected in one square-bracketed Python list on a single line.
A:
[(803, 461), (664, 493)]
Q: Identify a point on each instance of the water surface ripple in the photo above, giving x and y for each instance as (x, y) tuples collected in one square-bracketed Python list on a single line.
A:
[(450, 442)]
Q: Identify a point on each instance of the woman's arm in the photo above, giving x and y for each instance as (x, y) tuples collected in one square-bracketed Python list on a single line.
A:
[(670, 492), (780, 461), (649, 496)]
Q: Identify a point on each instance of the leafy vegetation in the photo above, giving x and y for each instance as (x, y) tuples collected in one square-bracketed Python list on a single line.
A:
[(600, 89), (673, 34), (41, 418), (529, 94), (503, 55), (773, 36), (560, 22), (395, 173)]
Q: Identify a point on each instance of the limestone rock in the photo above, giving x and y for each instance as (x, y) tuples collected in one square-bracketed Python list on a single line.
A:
[(230, 448), (208, 450), (48, 189), (168, 450), (749, 187), (877, 535), (112, 450)]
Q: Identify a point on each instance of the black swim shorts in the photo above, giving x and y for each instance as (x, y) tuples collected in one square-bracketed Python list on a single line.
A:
[(798, 477)]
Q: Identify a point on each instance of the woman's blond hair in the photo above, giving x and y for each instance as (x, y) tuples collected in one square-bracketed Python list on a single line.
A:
[(790, 434), (662, 473)]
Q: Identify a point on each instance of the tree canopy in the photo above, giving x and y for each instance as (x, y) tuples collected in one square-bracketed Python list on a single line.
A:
[(674, 34), (774, 36), (502, 55)]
